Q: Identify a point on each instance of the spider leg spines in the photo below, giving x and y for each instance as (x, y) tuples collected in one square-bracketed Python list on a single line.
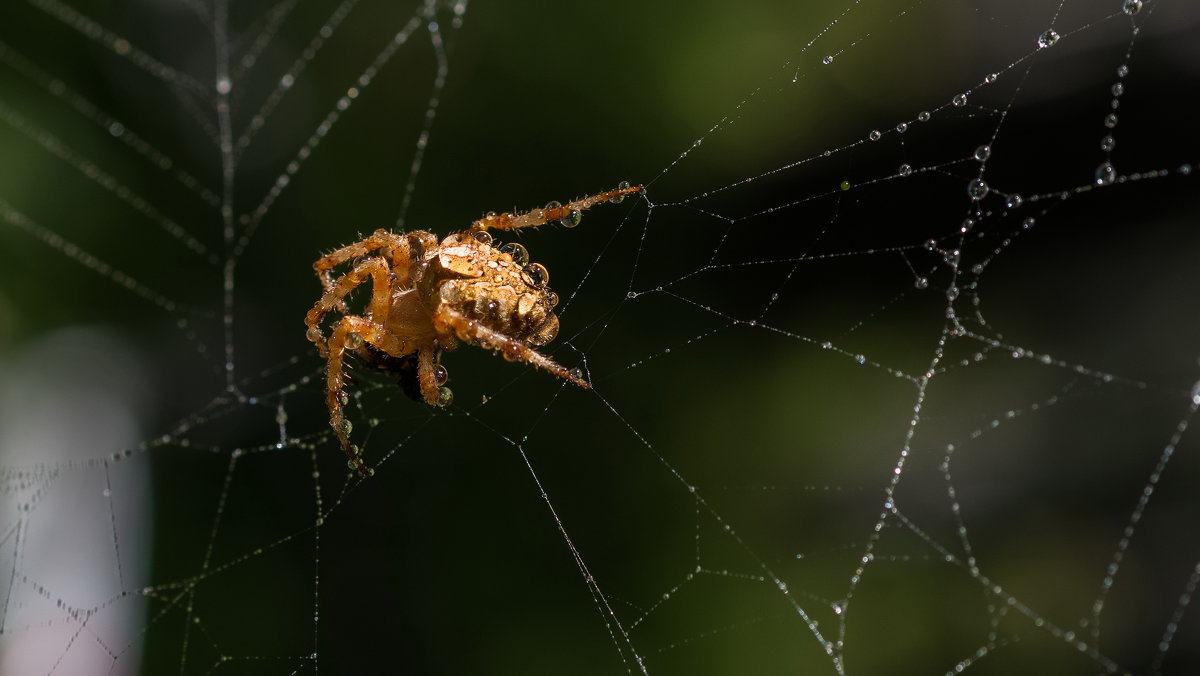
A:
[(335, 376), (446, 319), (567, 214)]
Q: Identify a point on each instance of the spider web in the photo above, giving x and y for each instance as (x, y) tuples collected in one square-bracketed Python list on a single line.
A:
[(893, 363)]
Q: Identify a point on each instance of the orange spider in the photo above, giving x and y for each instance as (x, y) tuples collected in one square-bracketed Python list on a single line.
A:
[(427, 296)]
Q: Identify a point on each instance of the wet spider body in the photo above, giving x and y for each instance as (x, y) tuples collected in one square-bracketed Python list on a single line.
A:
[(428, 295)]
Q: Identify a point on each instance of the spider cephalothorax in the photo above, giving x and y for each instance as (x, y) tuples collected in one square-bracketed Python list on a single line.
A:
[(427, 295)]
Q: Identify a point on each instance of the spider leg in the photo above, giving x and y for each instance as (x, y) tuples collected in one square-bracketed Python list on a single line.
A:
[(568, 214), (379, 239), (380, 273), (446, 319), (350, 334), (427, 378)]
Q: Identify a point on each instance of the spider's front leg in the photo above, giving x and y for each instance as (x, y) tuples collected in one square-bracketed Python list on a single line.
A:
[(568, 214), (377, 308), (350, 334), (448, 320)]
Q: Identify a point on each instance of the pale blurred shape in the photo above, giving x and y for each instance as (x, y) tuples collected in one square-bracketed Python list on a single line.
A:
[(74, 528)]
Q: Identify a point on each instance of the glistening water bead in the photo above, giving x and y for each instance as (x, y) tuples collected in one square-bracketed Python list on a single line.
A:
[(1106, 174), (1131, 7), (983, 152), (977, 189), (1014, 200), (959, 100), (1047, 38)]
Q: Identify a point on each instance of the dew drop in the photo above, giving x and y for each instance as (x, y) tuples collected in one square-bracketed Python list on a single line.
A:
[(1108, 143), (1110, 120), (1014, 201), (1028, 222), (353, 341), (445, 396), (902, 127), (519, 253), (905, 170), (1047, 38), (982, 153), (991, 77), (977, 189), (931, 244), (874, 135), (623, 185), (923, 116), (440, 374), (959, 100), (827, 59), (1118, 89), (483, 237), (1122, 70), (224, 86), (921, 282), (845, 185), (966, 225), (572, 219), (1106, 174), (1131, 7), (575, 373)]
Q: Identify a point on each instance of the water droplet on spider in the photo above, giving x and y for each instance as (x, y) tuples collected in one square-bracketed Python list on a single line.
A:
[(440, 374), (1106, 174), (959, 100), (977, 189), (902, 127), (445, 396), (921, 282), (923, 116), (1014, 200), (875, 135), (1131, 7), (347, 427), (966, 225), (538, 274), (575, 373), (623, 185), (482, 237), (983, 152), (1108, 143), (1110, 120), (343, 398), (1047, 38), (519, 253), (905, 170), (827, 59), (572, 218), (353, 341)]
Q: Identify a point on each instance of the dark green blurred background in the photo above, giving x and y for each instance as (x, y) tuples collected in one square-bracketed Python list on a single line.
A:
[(450, 560)]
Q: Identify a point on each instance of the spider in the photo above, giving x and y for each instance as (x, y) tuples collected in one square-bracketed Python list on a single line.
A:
[(427, 295)]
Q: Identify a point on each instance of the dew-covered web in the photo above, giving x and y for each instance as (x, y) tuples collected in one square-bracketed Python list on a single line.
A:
[(892, 362)]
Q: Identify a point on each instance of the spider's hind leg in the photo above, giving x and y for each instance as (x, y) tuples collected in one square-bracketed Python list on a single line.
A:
[(447, 319)]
